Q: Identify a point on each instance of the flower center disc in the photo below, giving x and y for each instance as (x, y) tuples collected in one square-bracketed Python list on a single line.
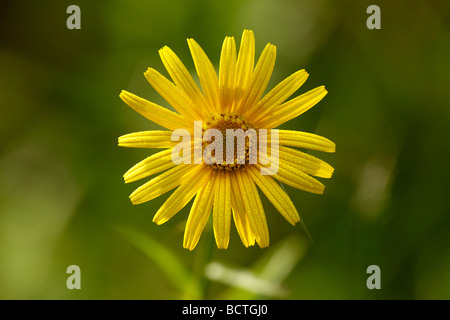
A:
[(223, 122)]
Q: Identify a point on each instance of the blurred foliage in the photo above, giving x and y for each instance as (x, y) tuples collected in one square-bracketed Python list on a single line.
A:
[(62, 194)]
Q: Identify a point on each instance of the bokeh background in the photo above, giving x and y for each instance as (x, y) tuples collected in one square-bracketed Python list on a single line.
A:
[(62, 196)]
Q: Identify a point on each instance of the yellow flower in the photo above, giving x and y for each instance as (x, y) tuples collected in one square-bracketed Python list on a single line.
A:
[(231, 100)]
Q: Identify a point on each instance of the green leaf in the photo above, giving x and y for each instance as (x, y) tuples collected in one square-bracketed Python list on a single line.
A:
[(265, 277), (168, 263)]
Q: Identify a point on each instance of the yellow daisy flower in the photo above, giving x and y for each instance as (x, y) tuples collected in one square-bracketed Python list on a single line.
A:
[(232, 100)]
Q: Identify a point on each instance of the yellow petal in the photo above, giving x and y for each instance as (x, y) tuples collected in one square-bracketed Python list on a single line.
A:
[(239, 215), (275, 194), (154, 164), (207, 76), (227, 74), (278, 95), (199, 214), (305, 162), (182, 195), (244, 65), (163, 183), (222, 209), (297, 178), (305, 140), (291, 109), (147, 139), (253, 208), (260, 78), (182, 78), (153, 112), (169, 91)]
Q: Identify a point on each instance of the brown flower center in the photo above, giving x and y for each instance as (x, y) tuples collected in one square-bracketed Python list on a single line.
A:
[(234, 130)]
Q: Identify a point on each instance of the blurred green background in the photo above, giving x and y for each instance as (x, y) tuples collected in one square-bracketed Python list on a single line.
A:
[(63, 200)]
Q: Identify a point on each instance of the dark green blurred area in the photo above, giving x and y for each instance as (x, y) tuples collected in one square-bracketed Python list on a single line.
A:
[(63, 199)]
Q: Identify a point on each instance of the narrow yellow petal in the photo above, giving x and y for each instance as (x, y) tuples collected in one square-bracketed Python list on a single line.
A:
[(260, 78), (182, 195), (199, 214), (174, 96), (299, 160), (207, 76), (227, 74), (244, 65), (305, 162), (147, 139), (297, 178), (275, 194), (291, 109), (154, 164), (163, 183), (305, 140), (239, 215), (222, 209), (184, 81), (278, 95), (243, 227), (253, 208), (153, 112)]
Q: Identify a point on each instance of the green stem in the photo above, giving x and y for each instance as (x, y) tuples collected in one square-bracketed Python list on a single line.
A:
[(202, 258)]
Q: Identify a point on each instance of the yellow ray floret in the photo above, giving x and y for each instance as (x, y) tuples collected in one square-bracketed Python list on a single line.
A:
[(207, 76), (153, 112), (184, 193), (200, 212), (222, 209), (147, 139)]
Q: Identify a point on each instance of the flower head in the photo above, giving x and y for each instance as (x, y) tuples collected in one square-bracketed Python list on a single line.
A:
[(224, 178)]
